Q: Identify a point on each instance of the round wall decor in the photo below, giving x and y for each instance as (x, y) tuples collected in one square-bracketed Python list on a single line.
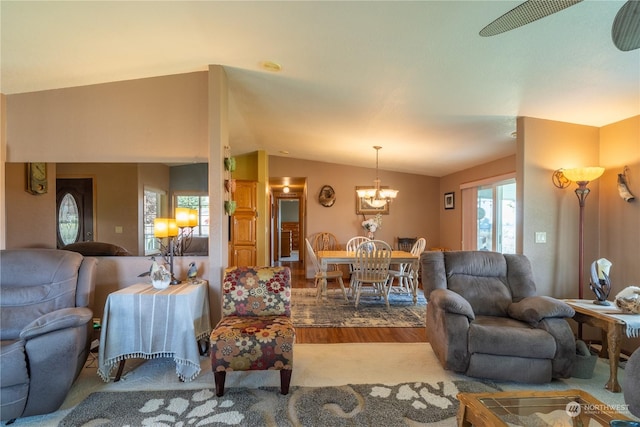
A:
[(327, 196)]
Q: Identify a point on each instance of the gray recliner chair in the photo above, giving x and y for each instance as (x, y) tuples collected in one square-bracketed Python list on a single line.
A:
[(631, 387), (45, 327), (484, 319)]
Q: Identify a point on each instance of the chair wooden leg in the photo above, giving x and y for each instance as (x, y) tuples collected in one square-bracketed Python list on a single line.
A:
[(219, 377), (285, 380), (344, 291)]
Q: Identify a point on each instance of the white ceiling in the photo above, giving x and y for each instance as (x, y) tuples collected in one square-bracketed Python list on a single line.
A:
[(413, 77)]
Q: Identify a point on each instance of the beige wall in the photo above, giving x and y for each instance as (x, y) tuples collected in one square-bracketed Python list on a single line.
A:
[(451, 219), (146, 120), (545, 146), (619, 231), (30, 219), (413, 213)]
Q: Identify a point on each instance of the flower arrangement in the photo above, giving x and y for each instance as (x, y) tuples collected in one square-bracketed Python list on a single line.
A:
[(372, 224)]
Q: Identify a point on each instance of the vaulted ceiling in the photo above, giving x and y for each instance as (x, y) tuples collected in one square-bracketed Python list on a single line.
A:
[(413, 77)]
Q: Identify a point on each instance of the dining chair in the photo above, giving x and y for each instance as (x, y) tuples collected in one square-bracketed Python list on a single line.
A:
[(372, 269), (323, 276), (352, 245), (406, 243), (325, 241), (407, 275)]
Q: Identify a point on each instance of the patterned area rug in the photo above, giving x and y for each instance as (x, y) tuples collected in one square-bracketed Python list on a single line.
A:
[(334, 311), (353, 405)]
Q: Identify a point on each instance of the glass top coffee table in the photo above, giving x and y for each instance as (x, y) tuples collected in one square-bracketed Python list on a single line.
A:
[(536, 408)]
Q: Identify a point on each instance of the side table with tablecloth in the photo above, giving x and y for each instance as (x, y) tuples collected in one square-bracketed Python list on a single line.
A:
[(143, 322)]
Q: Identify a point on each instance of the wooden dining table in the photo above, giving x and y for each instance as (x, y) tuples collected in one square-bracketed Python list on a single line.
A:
[(348, 257)]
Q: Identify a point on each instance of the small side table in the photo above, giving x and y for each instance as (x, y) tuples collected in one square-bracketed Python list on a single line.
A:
[(143, 322), (612, 332)]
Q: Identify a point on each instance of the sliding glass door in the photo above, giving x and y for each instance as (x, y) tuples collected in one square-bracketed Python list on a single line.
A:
[(489, 216)]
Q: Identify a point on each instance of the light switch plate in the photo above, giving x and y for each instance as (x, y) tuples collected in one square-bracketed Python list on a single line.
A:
[(541, 237)]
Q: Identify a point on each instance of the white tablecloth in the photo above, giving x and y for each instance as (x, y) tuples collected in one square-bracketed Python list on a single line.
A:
[(143, 322)]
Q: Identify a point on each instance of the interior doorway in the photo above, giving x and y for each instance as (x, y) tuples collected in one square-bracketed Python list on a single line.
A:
[(288, 219)]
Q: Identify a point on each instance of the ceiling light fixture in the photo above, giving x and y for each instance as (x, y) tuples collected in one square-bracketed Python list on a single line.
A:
[(376, 196), (285, 189)]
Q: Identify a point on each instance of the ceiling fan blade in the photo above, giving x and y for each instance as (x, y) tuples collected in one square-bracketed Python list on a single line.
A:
[(626, 27), (525, 13)]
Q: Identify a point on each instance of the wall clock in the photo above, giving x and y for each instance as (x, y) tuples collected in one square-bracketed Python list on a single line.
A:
[(37, 182)]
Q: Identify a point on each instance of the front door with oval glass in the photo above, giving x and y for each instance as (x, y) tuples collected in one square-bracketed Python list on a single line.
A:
[(74, 213)]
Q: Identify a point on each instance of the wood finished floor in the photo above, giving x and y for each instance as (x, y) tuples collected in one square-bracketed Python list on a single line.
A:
[(347, 335)]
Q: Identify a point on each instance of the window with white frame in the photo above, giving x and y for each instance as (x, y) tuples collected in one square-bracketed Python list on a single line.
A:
[(201, 204), (152, 210)]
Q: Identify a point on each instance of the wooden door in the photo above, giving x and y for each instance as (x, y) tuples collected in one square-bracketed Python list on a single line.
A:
[(243, 225)]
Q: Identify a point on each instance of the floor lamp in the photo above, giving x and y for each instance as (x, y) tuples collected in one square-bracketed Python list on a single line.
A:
[(582, 177)]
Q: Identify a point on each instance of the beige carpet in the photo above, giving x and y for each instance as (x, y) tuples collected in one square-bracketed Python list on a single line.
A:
[(315, 365)]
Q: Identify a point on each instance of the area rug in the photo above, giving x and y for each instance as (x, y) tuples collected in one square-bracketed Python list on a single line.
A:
[(353, 405), (372, 312)]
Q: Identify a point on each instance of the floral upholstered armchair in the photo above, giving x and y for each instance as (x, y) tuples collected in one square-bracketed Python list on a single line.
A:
[(255, 332)]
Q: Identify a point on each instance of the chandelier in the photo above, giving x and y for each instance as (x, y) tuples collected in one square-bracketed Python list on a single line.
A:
[(376, 196)]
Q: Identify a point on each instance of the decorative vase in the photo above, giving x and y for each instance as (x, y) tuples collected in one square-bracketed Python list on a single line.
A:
[(230, 207), (230, 164), (230, 185), (370, 235)]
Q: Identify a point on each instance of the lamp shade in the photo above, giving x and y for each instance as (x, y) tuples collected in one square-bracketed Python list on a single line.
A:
[(193, 217), (182, 217), (585, 174), (165, 227)]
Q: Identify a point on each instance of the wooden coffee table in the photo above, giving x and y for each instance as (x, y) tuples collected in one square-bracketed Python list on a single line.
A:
[(565, 407)]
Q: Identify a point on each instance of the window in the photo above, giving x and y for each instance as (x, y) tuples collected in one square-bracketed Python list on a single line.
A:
[(201, 204), (68, 220), (152, 210), (489, 215)]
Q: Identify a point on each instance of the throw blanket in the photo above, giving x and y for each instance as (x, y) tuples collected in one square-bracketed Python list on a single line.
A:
[(143, 322)]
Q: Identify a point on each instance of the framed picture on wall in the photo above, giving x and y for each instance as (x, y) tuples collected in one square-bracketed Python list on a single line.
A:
[(364, 208), (449, 200)]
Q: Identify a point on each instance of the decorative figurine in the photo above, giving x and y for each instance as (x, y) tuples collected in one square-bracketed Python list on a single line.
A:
[(192, 274), (600, 283)]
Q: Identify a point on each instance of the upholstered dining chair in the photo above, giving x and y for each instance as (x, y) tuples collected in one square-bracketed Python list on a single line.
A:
[(256, 331), (406, 274), (321, 277), (372, 269)]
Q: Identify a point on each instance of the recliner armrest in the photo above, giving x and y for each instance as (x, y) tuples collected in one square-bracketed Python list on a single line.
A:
[(534, 309), (450, 302), (56, 320)]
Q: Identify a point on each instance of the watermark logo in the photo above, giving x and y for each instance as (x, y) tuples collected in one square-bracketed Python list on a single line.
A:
[(573, 409)]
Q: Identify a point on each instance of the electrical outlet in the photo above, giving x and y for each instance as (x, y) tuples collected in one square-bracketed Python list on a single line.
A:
[(541, 237)]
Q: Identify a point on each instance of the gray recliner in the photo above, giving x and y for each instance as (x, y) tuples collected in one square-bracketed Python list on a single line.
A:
[(45, 327), (631, 387), (484, 319)]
